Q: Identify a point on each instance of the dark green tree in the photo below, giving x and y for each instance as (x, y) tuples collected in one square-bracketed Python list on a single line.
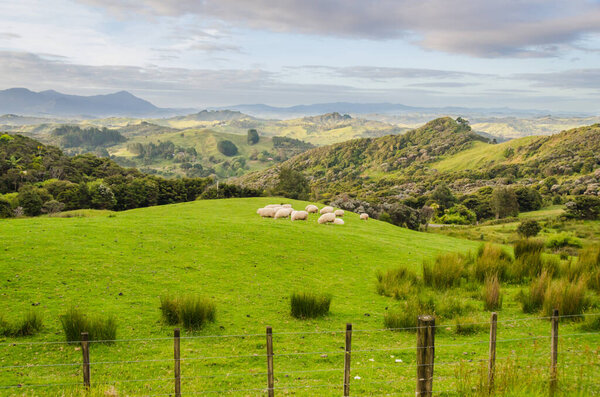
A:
[(253, 137), (5, 209), (504, 202), (584, 207), (30, 199), (529, 199), (443, 196), (529, 228), (227, 148), (292, 184)]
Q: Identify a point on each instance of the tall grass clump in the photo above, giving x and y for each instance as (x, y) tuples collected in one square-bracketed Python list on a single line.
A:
[(569, 297), (404, 316), (492, 297), (192, 312), (533, 300), (74, 322), (528, 246), (309, 305), (589, 264), (398, 283), (445, 272), (30, 324), (491, 259)]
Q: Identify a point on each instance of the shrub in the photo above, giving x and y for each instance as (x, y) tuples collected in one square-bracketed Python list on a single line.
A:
[(562, 240), (534, 299), (397, 283), (192, 312), (491, 260), (458, 215), (468, 326), (569, 297), (492, 297), (309, 305), (445, 272), (74, 322)]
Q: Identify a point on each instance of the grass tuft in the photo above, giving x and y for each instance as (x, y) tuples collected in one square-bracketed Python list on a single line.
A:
[(31, 323), (398, 283), (192, 312), (74, 322), (446, 272), (309, 305), (569, 297), (492, 297), (492, 260), (404, 316), (533, 301)]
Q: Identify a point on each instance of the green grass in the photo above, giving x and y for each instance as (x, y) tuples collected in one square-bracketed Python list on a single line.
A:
[(121, 265)]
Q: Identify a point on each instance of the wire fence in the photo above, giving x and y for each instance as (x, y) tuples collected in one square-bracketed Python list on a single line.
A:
[(291, 364)]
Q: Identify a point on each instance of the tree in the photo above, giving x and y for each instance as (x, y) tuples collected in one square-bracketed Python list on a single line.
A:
[(529, 228), (52, 207), (529, 199), (253, 137), (584, 207), (227, 148), (458, 215), (30, 199), (292, 184), (101, 196), (504, 202), (443, 196), (5, 208)]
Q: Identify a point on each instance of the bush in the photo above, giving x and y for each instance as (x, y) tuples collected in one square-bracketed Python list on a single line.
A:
[(566, 296), (492, 297), (445, 272), (584, 207), (491, 260), (534, 299), (529, 228), (192, 312), (227, 148), (458, 215), (309, 305), (397, 283), (74, 322), (31, 324), (562, 240)]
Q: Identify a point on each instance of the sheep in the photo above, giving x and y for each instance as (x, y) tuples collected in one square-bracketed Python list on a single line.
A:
[(273, 206), (364, 216), (283, 213), (287, 206), (339, 213), (311, 209), (338, 221), (326, 218), (267, 212), (299, 215), (326, 210)]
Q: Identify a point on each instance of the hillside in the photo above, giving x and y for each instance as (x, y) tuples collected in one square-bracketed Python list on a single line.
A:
[(444, 150)]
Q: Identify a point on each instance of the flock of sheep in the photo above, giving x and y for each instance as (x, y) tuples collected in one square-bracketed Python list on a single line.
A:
[(328, 214)]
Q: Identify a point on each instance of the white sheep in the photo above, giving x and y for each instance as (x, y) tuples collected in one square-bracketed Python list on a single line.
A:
[(283, 213), (338, 221), (299, 215), (326, 210), (311, 209), (267, 212), (364, 216), (273, 206), (326, 218), (339, 213), (287, 206)]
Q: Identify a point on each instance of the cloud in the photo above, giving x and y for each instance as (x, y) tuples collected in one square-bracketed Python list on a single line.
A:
[(9, 36), (484, 28), (588, 79), (386, 73), (443, 84)]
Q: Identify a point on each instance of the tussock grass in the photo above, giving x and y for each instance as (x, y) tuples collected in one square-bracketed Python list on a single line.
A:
[(528, 246), (533, 301), (398, 283), (309, 304), (569, 297), (74, 322), (492, 297), (491, 260), (446, 272), (449, 307), (192, 312), (30, 324), (404, 316)]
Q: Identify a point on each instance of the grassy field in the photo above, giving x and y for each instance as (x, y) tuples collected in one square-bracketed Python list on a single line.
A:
[(121, 263)]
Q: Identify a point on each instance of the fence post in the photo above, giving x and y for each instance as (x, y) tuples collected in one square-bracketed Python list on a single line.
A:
[(425, 355), (177, 362), (492, 361), (270, 380), (85, 350), (554, 352), (347, 360)]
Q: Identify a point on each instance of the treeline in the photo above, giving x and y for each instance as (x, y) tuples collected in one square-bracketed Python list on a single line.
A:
[(165, 150), (36, 179), (70, 136)]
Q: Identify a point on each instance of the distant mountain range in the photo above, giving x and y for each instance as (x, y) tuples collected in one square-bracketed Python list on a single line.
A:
[(52, 103)]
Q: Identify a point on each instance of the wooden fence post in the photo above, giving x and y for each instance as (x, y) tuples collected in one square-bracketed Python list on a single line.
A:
[(177, 362), (492, 361), (85, 350), (554, 352), (347, 360), (270, 379), (425, 355)]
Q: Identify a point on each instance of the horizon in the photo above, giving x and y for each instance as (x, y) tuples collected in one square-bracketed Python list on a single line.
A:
[(526, 55)]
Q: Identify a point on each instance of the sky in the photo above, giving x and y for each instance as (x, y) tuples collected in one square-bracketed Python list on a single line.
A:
[(533, 54)]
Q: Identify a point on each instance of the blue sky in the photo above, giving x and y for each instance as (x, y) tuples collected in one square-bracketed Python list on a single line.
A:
[(196, 53)]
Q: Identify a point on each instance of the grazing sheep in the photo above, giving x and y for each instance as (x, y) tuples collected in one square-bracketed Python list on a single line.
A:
[(326, 218), (364, 216), (326, 210), (338, 221), (299, 215), (311, 209), (267, 212), (273, 206), (283, 213), (339, 213), (287, 206)]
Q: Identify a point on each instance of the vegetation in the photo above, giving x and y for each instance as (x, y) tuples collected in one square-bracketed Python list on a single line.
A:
[(309, 304), (227, 148), (492, 297), (74, 136), (529, 228), (253, 137), (192, 312), (30, 324), (99, 328)]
